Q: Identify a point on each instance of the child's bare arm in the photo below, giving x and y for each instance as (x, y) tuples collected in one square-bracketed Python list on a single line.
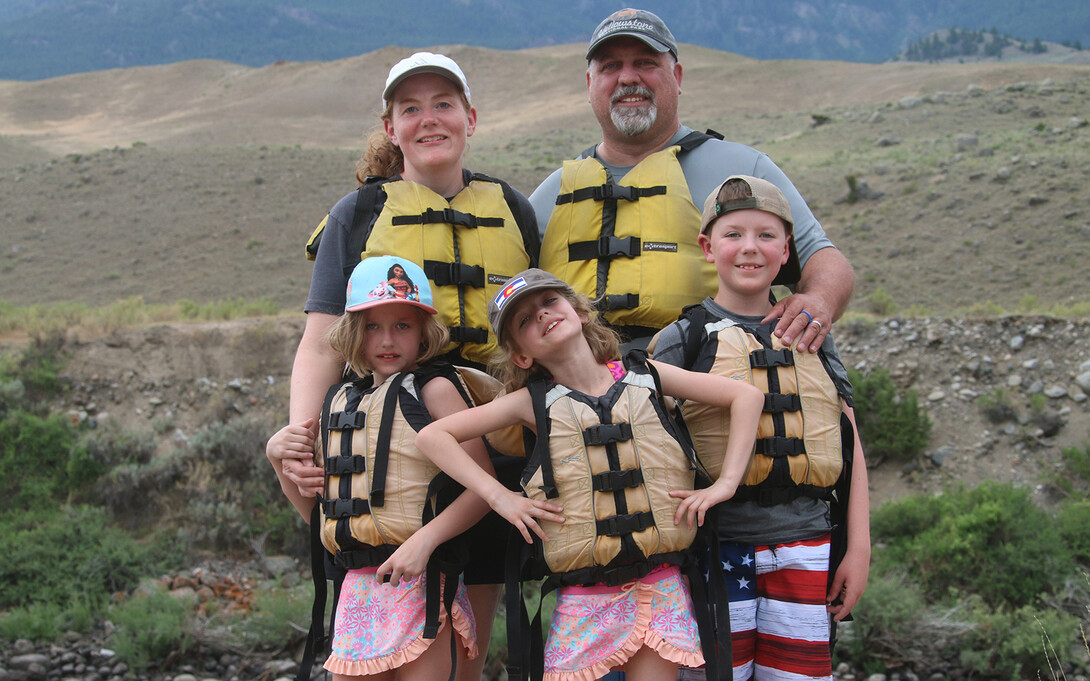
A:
[(439, 442), (850, 580), (745, 403)]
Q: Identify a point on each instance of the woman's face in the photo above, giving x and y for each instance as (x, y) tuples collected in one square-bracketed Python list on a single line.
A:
[(430, 124), (398, 272)]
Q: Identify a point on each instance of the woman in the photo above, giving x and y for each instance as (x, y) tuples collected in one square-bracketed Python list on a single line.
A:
[(469, 233)]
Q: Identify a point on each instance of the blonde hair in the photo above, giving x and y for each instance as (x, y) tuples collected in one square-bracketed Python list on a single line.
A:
[(349, 332), (604, 343), (382, 158)]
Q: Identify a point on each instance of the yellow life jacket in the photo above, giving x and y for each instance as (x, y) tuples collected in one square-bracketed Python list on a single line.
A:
[(379, 488), (611, 462), (468, 246), (630, 244), (799, 447)]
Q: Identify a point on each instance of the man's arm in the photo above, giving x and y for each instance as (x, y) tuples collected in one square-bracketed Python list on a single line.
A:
[(544, 199), (823, 293)]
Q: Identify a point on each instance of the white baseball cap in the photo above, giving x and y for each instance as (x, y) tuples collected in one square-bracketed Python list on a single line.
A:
[(424, 62)]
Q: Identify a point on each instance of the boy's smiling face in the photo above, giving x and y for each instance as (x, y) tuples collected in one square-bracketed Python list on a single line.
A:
[(747, 247)]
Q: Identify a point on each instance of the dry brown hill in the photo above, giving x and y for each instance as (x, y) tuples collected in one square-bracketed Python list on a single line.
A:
[(201, 180)]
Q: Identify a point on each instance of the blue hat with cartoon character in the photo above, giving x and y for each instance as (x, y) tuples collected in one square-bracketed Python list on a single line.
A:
[(388, 279)]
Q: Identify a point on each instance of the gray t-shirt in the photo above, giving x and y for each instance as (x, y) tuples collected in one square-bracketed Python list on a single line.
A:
[(705, 168), (747, 521)]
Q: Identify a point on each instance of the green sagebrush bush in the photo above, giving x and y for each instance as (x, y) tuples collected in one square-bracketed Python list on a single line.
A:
[(32, 377), (150, 628), (992, 541), (66, 556), (1012, 643), (34, 453), (890, 424), (233, 496), (895, 627)]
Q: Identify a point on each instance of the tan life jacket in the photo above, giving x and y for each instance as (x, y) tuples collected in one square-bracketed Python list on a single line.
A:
[(611, 462), (379, 488), (799, 448), (468, 246), (630, 244)]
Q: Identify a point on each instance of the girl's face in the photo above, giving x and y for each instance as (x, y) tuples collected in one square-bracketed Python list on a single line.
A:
[(392, 335), (398, 272), (430, 123), (539, 324)]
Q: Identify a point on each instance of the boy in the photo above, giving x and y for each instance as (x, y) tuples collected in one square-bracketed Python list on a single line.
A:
[(776, 530)]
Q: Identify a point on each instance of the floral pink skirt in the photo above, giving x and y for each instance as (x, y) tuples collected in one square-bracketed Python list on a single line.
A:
[(380, 627), (598, 628)]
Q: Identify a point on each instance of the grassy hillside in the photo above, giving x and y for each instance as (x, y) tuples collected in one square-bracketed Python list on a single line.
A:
[(202, 180)]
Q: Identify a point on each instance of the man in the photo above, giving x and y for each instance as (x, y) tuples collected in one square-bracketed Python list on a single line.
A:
[(621, 220)]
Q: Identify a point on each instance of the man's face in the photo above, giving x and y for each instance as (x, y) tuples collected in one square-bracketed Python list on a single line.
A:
[(633, 89)]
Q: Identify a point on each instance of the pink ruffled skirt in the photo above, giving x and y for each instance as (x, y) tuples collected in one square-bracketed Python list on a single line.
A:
[(380, 627), (598, 628)]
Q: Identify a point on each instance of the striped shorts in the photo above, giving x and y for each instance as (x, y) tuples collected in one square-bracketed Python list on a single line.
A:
[(779, 624)]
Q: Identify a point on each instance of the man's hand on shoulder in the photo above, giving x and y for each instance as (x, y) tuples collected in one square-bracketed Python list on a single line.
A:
[(823, 294)]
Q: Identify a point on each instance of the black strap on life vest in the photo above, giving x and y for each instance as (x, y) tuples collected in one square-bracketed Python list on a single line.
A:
[(447, 216), (711, 601), (540, 458)]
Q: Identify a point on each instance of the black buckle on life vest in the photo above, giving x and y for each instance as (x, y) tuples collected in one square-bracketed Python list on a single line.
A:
[(604, 247), (345, 508), (777, 446), (605, 433), (620, 301), (776, 403), (345, 465), (766, 358), (611, 481), (342, 420), (467, 334), (615, 526), (454, 273)]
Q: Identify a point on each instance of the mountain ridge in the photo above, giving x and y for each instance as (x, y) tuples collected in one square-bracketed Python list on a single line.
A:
[(46, 38)]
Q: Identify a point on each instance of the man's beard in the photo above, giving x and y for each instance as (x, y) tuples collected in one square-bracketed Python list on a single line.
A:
[(632, 121)]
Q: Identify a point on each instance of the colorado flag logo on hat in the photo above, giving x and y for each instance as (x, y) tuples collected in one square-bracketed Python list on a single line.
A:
[(509, 290)]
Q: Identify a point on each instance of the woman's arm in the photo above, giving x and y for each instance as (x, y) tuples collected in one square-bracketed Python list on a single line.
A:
[(411, 558), (745, 403), (439, 442), (850, 580)]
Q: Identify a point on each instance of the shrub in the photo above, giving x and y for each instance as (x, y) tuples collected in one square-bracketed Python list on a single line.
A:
[(1073, 521), (1012, 644), (67, 555), (996, 407), (227, 516), (992, 541), (34, 458), (881, 303), (894, 627), (890, 425), (150, 628)]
